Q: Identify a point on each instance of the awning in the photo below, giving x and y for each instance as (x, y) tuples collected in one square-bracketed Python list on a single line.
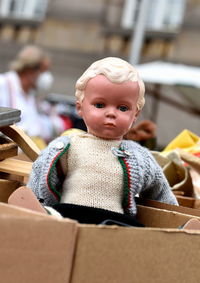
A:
[(186, 80), (169, 73)]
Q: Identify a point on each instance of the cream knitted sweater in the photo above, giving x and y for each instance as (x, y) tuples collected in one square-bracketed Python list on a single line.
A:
[(90, 180)]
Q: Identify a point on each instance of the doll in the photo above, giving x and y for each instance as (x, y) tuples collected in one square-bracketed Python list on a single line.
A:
[(99, 170)]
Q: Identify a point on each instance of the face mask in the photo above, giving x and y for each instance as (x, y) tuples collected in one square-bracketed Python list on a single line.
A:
[(44, 81)]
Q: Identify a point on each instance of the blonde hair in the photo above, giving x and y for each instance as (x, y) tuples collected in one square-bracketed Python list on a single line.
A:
[(114, 69), (29, 57)]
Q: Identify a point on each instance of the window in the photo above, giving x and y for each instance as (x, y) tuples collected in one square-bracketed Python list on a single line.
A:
[(165, 14), (23, 9), (162, 15)]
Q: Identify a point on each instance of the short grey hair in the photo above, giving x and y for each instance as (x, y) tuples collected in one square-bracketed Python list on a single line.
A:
[(29, 57), (117, 71)]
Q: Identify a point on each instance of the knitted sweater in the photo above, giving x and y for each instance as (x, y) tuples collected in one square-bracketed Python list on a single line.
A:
[(141, 174), (91, 181)]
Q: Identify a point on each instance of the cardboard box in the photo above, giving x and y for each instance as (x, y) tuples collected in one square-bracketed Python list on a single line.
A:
[(188, 201), (41, 248)]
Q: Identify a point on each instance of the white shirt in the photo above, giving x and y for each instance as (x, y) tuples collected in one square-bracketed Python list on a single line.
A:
[(13, 96)]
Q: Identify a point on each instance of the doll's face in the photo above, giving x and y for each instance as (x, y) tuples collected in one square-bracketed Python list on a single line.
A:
[(109, 109)]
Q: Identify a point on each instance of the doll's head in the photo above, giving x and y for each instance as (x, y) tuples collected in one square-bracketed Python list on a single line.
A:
[(109, 96), (114, 69)]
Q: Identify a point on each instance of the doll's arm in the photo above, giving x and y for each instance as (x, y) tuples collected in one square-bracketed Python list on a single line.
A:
[(157, 186), (25, 198), (45, 180)]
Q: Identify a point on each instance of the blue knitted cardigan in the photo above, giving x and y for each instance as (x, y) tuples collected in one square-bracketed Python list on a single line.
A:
[(141, 174)]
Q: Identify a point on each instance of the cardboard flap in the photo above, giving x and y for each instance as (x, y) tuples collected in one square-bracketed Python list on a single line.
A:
[(170, 207), (161, 218), (117, 255), (35, 247)]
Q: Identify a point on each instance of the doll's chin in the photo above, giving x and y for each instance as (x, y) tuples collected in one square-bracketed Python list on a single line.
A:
[(108, 137)]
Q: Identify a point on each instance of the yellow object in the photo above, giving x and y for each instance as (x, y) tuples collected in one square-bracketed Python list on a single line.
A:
[(42, 144), (72, 131), (186, 140), (39, 142)]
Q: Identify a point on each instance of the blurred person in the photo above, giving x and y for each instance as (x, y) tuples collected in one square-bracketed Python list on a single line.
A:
[(30, 74)]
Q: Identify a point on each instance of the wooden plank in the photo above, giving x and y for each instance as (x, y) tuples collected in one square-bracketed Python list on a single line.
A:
[(22, 140), (15, 166), (8, 152), (7, 187)]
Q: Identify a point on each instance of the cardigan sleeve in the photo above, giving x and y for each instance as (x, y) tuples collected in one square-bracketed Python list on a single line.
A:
[(44, 179), (156, 186)]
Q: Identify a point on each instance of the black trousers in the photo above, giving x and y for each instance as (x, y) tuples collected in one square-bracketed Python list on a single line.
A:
[(91, 215)]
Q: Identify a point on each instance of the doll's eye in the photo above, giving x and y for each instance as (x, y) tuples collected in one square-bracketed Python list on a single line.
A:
[(123, 108), (99, 105)]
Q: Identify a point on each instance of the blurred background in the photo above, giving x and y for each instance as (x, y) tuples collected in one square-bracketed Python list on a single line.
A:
[(160, 37)]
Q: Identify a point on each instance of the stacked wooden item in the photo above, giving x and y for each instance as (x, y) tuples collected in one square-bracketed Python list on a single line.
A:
[(14, 143)]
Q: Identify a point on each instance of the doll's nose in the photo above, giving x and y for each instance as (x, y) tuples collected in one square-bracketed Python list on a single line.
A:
[(110, 112)]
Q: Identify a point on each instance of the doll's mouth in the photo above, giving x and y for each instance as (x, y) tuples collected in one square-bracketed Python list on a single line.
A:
[(109, 125)]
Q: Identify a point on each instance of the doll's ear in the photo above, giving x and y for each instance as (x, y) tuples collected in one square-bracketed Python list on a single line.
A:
[(136, 115), (79, 108)]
